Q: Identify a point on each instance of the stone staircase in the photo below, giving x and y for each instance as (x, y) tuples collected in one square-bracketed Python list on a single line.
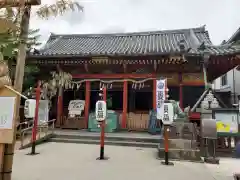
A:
[(183, 144), (143, 140)]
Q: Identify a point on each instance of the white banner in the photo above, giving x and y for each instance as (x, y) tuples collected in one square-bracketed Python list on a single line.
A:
[(161, 96)]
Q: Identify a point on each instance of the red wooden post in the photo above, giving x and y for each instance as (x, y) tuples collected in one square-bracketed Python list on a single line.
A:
[(87, 102), (102, 137), (59, 106), (35, 122), (154, 94), (125, 103), (105, 94), (181, 96), (180, 91)]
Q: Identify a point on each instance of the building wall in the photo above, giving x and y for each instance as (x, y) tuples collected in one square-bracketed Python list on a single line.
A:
[(233, 83)]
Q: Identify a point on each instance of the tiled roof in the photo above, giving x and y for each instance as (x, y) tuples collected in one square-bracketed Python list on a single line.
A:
[(235, 37), (155, 42), (140, 43), (219, 50)]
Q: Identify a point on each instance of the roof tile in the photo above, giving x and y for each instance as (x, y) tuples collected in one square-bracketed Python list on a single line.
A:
[(140, 43)]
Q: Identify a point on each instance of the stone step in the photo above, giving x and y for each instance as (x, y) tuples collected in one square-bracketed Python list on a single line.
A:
[(96, 136), (107, 142), (181, 154)]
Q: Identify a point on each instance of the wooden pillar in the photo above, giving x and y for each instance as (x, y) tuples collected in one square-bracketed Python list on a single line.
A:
[(59, 106), (125, 103), (180, 91), (154, 94), (87, 102)]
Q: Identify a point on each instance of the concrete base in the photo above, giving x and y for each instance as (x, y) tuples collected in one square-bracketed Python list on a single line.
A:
[(31, 154), (105, 158), (169, 163), (211, 160), (181, 154)]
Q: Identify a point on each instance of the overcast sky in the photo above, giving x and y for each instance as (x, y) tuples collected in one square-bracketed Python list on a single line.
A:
[(221, 17)]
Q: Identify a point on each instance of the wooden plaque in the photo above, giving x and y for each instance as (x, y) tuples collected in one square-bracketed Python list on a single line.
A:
[(189, 78), (172, 78), (7, 117)]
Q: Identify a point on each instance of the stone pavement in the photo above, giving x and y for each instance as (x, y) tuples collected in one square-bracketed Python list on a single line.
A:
[(58, 161), (226, 169)]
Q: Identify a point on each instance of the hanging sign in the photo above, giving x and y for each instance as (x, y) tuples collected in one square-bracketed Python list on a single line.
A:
[(76, 107), (168, 113), (161, 96), (101, 110)]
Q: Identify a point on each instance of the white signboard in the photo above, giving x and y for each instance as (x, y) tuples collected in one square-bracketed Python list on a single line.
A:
[(101, 110), (43, 111), (161, 96), (7, 112), (29, 108), (168, 113), (76, 107)]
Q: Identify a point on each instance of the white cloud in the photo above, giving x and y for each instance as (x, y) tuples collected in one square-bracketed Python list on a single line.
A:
[(222, 17)]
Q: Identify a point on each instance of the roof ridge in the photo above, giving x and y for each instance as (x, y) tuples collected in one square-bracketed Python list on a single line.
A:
[(141, 33), (233, 36), (49, 43)]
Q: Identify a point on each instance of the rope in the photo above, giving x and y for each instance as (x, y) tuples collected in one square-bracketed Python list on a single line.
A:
[(112, 81)]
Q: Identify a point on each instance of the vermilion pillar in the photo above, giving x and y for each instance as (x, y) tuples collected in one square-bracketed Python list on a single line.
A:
[(154, 94), (125, 103), (87, 102), (59, 106), (180, 91)]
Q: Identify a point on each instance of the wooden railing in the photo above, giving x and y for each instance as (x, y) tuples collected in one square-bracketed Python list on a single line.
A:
[(23, 125), (43, 130)]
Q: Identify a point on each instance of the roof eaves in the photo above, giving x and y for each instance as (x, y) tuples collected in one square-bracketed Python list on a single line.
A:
[(41, 56), (232, 38)]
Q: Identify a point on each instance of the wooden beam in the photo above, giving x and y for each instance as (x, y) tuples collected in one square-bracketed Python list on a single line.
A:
[(113, 76)]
